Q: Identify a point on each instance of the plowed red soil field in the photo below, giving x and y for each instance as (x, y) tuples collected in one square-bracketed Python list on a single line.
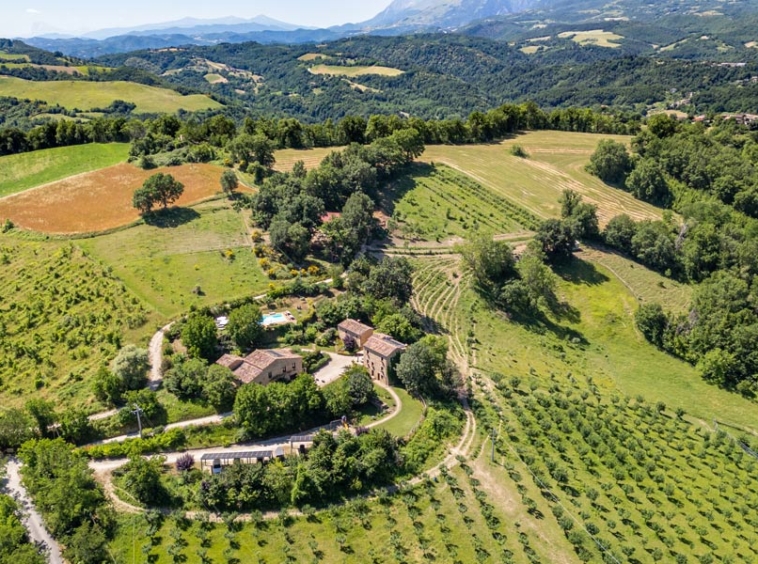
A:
[(100, 200)]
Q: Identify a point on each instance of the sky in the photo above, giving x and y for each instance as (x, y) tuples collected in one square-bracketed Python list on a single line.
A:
[(25, 18)]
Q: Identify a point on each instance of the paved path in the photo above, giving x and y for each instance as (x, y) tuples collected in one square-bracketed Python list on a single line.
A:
[(337, 365), (30, 518), (155, 354)]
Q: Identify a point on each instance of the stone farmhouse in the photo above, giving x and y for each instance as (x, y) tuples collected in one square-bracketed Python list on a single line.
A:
[(264, 366), (357, 331), (379, 354)]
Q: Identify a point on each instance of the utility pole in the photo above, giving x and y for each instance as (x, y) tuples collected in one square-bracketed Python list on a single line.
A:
[(138, 412)]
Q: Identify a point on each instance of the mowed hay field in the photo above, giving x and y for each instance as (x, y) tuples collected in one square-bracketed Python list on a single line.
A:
[(286, 158), (164, 264), (100, 200), (88, 95), (556, 162), (27, 170), (354, 71)]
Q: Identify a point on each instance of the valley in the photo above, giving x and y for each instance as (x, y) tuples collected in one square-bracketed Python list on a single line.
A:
[(469, 282)]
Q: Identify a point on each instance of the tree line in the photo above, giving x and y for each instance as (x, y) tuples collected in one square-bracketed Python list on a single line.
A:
[(167, 133), (708, 176)]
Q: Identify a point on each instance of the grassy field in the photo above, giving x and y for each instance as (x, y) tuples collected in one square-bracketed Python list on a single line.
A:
[(353, 71), (410, 416), (556, 161), (594, 37), (101, 200), (437, 202), (596, 338), (162, 265), (27, 170), (286, 158), (63, 315), (88, 95)]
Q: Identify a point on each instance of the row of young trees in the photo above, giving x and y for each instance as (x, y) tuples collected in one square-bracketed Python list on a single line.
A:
[(709, 177)]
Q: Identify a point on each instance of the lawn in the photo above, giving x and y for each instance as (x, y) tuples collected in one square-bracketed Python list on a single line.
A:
[(163, 265), (27, 170), (353, 71), (408, 418), (85, 96), (101, 200), (556, 161)]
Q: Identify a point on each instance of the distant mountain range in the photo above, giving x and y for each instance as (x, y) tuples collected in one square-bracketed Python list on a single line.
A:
[(498, 19)]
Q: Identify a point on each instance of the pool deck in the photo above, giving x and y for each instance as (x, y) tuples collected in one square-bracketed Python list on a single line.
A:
[(287, 319)]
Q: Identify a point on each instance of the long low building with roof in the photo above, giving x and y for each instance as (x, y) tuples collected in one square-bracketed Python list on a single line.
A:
[(264, 366)]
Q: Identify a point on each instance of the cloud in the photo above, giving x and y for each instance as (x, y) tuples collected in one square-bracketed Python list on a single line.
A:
[(32, 11)]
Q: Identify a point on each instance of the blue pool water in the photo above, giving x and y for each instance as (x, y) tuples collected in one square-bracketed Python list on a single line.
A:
[(273, 319)]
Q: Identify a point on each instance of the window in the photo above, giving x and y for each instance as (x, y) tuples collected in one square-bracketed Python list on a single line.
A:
[(270, 375)]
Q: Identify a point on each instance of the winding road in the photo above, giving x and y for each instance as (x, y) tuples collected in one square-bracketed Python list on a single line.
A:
[(31, 519)]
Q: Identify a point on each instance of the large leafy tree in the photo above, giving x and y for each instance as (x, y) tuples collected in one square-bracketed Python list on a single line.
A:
[(199, 335), (491, 262), (161, 189), (130, 366), (245, 326), (610, 162)]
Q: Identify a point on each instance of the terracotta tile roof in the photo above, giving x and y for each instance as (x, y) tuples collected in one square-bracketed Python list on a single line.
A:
[(230, 361), (253, 365), (354, 327), (383, 345)]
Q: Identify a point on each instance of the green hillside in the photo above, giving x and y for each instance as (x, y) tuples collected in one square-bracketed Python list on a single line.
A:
[(27, 170), (88, 95)]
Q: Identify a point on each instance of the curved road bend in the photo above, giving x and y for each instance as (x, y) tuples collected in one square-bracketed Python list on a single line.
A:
[(31, 519)]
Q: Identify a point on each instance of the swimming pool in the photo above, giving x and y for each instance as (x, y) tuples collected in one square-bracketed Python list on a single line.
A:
[(274, 319)]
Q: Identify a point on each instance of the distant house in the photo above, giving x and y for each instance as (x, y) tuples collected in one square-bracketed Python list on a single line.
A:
[(359, 332), (379, 354), (264, 366)]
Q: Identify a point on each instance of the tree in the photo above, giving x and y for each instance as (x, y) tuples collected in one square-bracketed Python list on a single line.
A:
[(652, 322), (581, 216), (43, 413), (75, 426), (165, 187), (244, 326), (556, 239), (130, 366), (220, 388), (398, 327), (391, 278), (108, 387), (647, 182), (419, 366), (88, 545), (247, 148), (491, 261), (610, 162), (619, 233), (410, 142), (159, 188), (199, 336), (229, 182), (15, 428), (143, 200), (539, 281), (142, 479), (360, 385), (186, 379)]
